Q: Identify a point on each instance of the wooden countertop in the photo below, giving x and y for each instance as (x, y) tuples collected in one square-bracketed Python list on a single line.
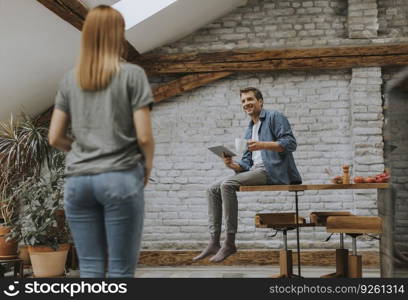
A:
[(308, 187)]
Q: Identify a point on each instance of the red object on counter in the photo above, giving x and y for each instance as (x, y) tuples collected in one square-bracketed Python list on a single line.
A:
[(359, 179)]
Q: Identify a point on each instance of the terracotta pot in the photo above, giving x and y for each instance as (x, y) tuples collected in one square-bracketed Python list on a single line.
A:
[(47, 262), (8, 249), (23, 254)]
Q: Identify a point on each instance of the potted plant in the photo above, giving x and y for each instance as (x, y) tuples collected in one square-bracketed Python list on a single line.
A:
[(24, 151), (37, 227), (8, 245), (34, 195)]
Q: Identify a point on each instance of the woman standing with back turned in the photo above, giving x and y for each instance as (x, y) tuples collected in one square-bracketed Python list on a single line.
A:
[(111, 155)]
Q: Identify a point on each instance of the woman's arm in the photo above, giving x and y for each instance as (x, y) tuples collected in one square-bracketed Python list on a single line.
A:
[(144, 134), (58, 128)]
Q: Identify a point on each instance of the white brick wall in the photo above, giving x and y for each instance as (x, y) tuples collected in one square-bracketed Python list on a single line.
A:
[(362, 18), (336, 117), (393, 17), (367, 123), (297, 23), (318, 107)]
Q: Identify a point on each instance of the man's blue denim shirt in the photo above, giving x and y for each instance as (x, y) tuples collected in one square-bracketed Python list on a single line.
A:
[(280, 166)]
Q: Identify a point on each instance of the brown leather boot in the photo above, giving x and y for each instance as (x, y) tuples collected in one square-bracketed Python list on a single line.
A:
[(212, 247), (227, 249)]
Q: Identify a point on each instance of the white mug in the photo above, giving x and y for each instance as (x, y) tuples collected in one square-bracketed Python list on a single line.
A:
[(241, 145)]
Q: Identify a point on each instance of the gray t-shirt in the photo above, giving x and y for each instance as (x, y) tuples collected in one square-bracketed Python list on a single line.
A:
[(102, 121)]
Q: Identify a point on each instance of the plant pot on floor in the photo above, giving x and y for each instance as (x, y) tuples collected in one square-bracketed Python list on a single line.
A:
[(47, 262), (8, 249)]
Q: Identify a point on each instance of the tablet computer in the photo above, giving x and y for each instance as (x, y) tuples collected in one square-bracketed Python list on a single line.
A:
[(218, 150)]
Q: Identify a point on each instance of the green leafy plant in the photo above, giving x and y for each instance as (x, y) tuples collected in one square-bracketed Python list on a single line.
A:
[(37, 224), (24, 150), (24, 145), (29, 198), (8, 207)]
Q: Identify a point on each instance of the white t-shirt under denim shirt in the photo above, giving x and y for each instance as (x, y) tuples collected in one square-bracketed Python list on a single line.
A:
[(256, 155), (102, 121)]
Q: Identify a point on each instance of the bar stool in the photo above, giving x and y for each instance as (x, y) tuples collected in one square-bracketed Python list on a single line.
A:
[(320, 219), (354, 226), (282, 222)]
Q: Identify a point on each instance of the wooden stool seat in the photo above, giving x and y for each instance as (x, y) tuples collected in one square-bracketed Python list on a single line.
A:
[(354, 226), (279, 221), (282, 222), (319, 218)]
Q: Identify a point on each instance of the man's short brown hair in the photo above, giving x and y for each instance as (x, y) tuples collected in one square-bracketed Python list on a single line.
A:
[(257, 93)]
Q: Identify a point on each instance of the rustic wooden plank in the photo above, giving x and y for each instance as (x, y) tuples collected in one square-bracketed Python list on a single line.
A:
[(262, 55), (305, 187), (74, 12), (186, 83), (277, 59), (321, 63), (354, 224)]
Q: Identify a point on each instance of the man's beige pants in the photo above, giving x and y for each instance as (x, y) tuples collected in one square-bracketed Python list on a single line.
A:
[(224, 194)]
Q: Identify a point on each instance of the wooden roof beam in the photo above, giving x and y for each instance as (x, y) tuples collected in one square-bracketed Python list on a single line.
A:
[(276, 59), (186, 83), (170, 89), (74, 12)]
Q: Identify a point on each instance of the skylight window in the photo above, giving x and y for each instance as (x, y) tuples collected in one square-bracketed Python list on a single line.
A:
[(135, 12)]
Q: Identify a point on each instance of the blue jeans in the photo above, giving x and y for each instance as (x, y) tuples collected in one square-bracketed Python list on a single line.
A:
[(105, 213)]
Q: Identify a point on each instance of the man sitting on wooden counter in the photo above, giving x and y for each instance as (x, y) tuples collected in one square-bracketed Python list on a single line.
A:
[(268, 159)]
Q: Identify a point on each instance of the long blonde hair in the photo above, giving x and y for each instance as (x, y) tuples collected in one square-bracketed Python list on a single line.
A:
[(102, 44)]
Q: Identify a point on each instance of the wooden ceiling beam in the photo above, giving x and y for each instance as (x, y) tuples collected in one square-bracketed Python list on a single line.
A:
[(170, 89), (256, 55), (279, 59), (186, 83), (74, 12)]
